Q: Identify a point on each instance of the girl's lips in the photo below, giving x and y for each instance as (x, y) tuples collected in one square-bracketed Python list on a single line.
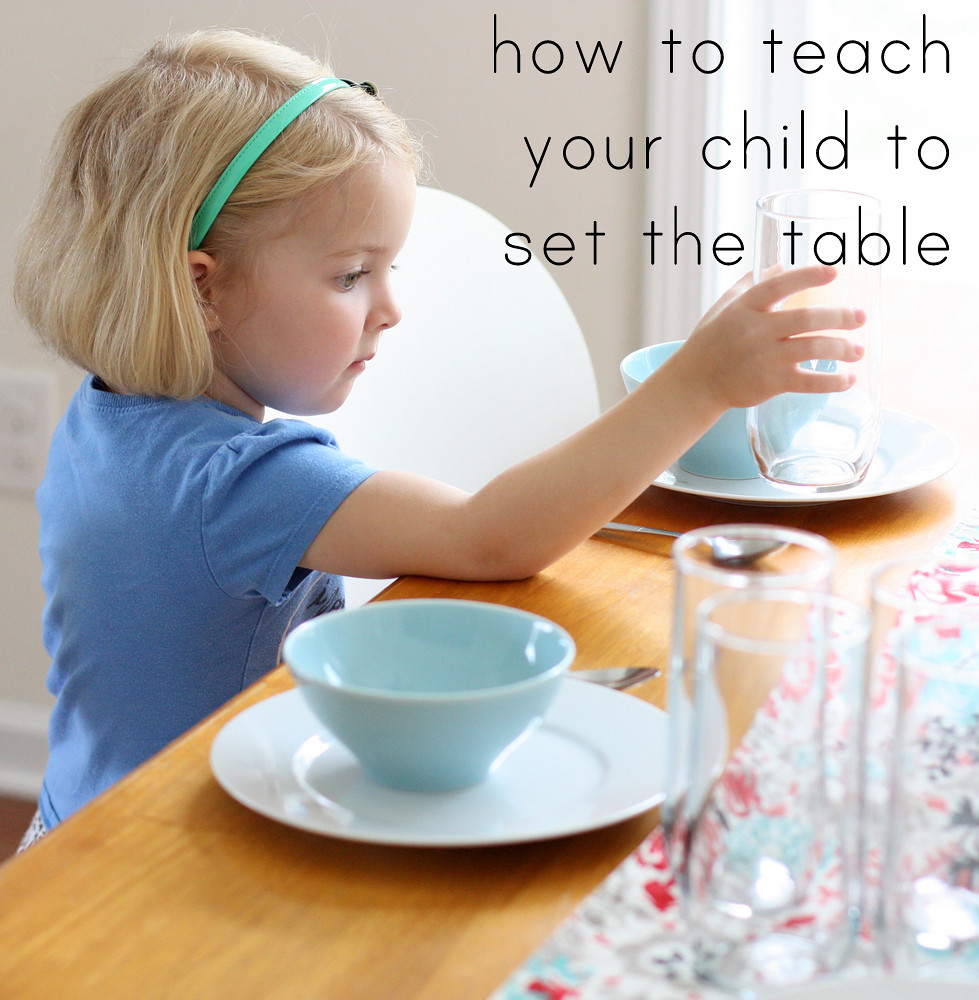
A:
[(361, 363)]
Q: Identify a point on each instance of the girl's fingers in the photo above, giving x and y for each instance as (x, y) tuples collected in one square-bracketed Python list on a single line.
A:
[(802, 380), (771, 291), (809, 319), (799, 349), (824, 378)]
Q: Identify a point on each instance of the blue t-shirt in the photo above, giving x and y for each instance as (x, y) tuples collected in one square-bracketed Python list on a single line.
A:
[(170, 537)]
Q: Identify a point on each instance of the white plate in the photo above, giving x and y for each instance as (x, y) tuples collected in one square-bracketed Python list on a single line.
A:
[(879, 987), (597, 758), (911, 452)]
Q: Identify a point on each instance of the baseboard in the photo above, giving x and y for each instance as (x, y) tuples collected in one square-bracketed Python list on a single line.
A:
[(23, 748)]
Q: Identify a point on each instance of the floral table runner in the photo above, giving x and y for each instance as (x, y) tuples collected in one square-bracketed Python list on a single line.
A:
[(626, 941)]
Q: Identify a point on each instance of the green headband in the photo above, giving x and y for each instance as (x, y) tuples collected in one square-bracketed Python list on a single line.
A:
[(266, 134)]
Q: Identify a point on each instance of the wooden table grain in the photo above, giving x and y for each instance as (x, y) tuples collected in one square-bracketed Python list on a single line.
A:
[(165, 887)]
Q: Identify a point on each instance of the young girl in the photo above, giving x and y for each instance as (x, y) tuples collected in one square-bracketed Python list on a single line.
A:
[(216, 236)]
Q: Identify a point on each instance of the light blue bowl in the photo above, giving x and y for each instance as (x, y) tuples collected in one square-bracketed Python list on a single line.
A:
[(723, 452), (429, 694)]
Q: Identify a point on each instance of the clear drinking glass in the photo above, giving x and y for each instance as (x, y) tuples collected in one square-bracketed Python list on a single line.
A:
[(705, 565), (916, 586), (923, 761), (769, 882), (930, 890), (824, 441), (903, 590)]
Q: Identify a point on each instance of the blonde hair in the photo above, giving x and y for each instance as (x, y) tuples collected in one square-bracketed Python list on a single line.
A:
[(102, 273)]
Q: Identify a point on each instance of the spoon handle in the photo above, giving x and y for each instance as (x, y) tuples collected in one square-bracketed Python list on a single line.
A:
[(616, 677), (639, 529)]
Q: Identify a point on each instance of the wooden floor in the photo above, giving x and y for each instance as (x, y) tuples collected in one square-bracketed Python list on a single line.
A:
[(15, 815)]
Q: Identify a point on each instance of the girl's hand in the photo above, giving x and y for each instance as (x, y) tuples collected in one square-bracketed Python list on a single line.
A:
[(745, 351)]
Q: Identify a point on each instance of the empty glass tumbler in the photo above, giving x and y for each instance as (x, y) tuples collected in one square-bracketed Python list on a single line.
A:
[(928, 917), (816, 442), (770, 872), (718, 559)]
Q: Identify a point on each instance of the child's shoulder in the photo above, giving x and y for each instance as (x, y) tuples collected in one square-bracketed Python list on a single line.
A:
[(141, 445), (133, 429)]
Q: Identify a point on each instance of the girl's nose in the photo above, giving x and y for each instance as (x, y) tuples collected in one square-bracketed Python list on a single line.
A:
[(386, 312)]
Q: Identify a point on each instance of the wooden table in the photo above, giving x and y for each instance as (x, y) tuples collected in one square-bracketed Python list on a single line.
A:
[(166, 887)]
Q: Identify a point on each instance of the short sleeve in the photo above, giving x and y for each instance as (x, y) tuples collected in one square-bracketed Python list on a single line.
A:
[(268, 492)]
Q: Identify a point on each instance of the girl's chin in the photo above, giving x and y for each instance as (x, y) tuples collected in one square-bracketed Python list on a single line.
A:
[(310, 405)]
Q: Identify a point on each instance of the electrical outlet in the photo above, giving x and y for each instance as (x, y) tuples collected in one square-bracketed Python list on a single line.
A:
[(27, 415)]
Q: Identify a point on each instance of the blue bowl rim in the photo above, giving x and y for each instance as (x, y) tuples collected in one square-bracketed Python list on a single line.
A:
[(381, 694), (640, 352)]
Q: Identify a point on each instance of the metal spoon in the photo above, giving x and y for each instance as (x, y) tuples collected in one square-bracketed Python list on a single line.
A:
[(619, 678), (725, 551)]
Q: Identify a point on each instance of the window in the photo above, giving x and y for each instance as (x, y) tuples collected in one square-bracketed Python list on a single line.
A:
[(794, 110)]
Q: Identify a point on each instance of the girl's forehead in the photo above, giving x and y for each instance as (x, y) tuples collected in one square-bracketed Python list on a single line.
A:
[(368, 210)]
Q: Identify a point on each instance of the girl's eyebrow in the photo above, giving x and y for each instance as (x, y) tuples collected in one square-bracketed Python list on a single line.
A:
[(353, 251)]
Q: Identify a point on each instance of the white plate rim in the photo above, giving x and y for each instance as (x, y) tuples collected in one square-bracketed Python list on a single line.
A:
[(934, 452), (628, 731)]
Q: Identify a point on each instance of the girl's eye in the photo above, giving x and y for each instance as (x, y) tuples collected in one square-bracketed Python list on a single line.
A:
[(348, 281)]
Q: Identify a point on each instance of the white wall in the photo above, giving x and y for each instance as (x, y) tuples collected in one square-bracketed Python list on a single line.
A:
[(434, 61)]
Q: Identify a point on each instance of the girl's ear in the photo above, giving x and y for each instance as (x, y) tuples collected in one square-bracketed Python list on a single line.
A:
[(202, 268), (202, 265)]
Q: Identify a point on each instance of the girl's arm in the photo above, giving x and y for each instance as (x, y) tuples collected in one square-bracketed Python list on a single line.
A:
[(741, 353)]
